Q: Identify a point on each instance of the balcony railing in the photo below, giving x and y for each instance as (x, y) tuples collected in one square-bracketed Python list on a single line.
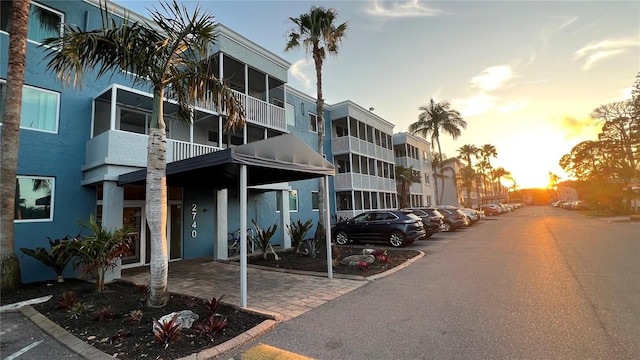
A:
[(256, 111), (183, 150)]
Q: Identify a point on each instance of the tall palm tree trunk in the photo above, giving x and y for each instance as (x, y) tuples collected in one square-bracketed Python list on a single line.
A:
[(320, 119), (156, 204), (439, 201), (10, 276)]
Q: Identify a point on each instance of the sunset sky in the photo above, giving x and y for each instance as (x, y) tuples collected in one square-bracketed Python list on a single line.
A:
[(525, 75)]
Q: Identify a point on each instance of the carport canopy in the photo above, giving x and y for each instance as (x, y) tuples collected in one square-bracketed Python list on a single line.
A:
[(274, 160)]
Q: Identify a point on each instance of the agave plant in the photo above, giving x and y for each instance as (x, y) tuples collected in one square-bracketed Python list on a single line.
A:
[(298, 230), (57, 257), (264, 237)]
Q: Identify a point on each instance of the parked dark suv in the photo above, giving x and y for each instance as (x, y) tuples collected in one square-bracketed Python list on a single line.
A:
[(395, 227), (453, 218), (432, 219)]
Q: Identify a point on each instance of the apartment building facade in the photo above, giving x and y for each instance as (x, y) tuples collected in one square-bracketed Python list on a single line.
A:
[(80, 150), (414, 152)]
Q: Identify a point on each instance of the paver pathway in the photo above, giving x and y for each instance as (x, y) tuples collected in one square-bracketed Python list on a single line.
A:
[(286, 295)]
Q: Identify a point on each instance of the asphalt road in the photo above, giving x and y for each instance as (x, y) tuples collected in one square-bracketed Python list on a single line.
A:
[(538, 283)]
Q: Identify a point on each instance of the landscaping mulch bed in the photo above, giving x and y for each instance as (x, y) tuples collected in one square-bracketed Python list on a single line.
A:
[(291, 260), (126, 339), (120, 336)]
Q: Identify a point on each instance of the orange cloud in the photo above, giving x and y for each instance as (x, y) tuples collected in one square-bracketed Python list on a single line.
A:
[(577, 128)]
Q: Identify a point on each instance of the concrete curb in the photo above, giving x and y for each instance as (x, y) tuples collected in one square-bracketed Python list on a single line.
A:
[(233, 343), (63, 336)]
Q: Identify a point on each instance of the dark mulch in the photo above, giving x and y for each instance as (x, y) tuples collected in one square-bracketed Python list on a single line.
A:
[(120, 336), (290, 260), (127, 340)]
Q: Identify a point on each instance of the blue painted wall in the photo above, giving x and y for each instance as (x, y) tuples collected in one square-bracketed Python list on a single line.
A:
[(58, 155)]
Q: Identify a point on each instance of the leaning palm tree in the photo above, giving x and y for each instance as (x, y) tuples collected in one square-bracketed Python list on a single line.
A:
[(10, 276), (170, 55), (440, 166), (405, 176), (319, 34), (434, 119)]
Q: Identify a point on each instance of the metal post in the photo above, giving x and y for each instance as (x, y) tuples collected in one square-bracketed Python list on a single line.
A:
[(243, 235), (327, 228)]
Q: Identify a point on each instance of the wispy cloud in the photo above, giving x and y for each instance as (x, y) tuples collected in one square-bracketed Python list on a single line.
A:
[(402, 9), (300, 70), (474, 105), (492, 78), (595, 52)]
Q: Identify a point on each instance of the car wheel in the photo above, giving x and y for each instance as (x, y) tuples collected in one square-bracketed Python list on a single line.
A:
[(428, 235), (396, 239), (342, 238), (446, 227)]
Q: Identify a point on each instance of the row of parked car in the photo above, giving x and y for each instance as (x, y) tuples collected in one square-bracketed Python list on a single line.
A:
[(404, 226), (572, 205)]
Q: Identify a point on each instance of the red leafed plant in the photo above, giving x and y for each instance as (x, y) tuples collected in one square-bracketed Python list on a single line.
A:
[(67, 300), (212, 305), (363, 265), (105, 313), (166, 332), (213, 327), (383, 258), (378, 252)]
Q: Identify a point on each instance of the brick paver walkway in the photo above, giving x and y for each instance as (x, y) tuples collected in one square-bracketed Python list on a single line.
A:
[(280, 293)]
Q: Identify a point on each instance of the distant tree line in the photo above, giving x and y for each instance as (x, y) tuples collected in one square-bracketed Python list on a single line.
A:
[(605, 169)]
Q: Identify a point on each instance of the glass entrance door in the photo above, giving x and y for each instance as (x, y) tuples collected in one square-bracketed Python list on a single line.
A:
[(174, 234), (133, 218)]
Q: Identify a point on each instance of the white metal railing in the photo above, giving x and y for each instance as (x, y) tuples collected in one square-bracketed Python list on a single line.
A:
[(256, 111), (184, 150)]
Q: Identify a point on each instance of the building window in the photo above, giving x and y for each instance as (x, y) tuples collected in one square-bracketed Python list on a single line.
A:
[(313, 123), (44, 22), (425, 156), (34, 196), (427, 179), (314, 200), (343, 201), (40, 108), (293, 200), (290, 114)]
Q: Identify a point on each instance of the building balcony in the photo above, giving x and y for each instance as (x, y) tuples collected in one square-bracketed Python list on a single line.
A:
[(256, 111), (350, 144), (116, 152), (350, 181)]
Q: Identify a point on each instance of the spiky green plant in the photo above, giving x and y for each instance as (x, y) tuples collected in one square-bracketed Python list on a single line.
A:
[(298, 230), (57, 257), (264, 237), (100, 251)]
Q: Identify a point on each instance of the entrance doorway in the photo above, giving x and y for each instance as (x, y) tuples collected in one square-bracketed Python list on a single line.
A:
[(134, 218)]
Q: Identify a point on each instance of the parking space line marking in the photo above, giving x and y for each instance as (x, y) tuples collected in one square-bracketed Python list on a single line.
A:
[(23, 350)]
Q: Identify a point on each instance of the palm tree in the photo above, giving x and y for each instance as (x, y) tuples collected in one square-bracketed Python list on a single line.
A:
[(468, 174), (405, 176), (318, 33), (499, 173), (435, 118), (483, 167), (440, 164), (487, 151), (170, 56), (10, 276)]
